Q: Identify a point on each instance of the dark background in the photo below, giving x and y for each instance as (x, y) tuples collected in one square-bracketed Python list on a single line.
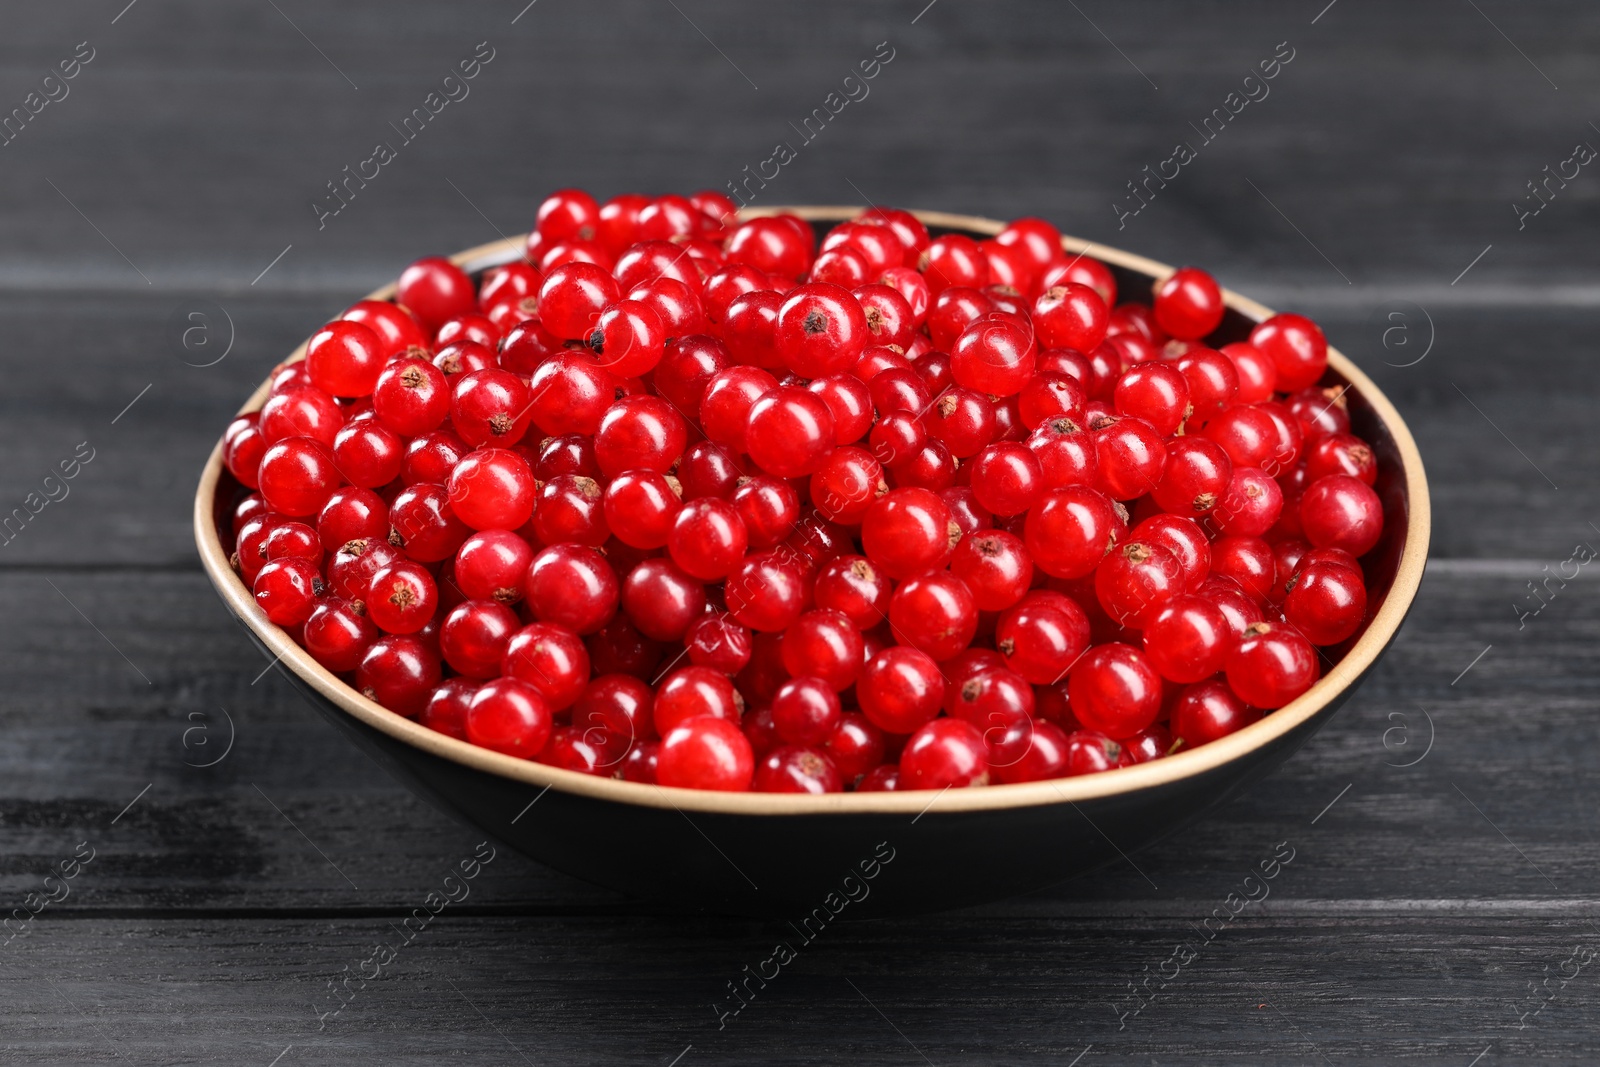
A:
[(1423, 908)]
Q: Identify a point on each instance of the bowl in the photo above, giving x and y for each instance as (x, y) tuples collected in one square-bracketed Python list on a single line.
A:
[(856, 855)]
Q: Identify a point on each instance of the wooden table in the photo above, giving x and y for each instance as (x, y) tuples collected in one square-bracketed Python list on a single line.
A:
[(1440, 903)]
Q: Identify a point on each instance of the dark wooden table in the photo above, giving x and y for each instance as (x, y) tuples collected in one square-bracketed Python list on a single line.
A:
[(1439, 908)]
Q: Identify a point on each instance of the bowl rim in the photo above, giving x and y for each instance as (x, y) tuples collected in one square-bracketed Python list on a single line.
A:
[(1380, 630)]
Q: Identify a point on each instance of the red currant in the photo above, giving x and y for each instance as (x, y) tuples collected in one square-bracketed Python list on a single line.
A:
[(706, 753), (1115, 690), (1188, 303), (1271, 666), (572, 586), (509, 716)]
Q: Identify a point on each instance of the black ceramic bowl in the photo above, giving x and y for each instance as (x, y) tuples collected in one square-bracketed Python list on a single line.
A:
[(783, 855)]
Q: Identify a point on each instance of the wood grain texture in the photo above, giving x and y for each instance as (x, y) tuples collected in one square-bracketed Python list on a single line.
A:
[(1423, 900), (273, 825), (1526, 369), (1396, 139), (984, 989)]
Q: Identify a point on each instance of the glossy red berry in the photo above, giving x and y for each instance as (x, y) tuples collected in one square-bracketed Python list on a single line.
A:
[(1049, 395), (769, 509), (705, 753), (953, 259), (805, 711), (824, 644), (852, 586), (1188, 303), (726, 403), (639, 433), (1155, 392), (568, 214), (715, 640), (855, 746), (400, 673), (572, 297), (569, 393), (640, 506), (510, 716), (1297, 348), (1185, 539), (411, 397), (1271, 666), (790, 432), (900, 689), (993, 357), (297, 476), (1195, 477), (849, 401), (287, 539), (490, 406), (345, 359), (1189, 639), (1341, 453), (1336, 512), (493, 489), (434, 290), (1066, 453), (338, 634), (934, 613), (662, 600), (1115, 689), (620, 704), (1130, 457), (1249, 507), (995, 566), (1070, 316), (707, 539), (1090, 752), (628, 339), (1007, 478), (474, 636), (909, 531), (424, 526), (1042, 636), (569, 508), (1208, 710), (821, 329), (766, 592), (1071, 530), (431, 457), (797, 769), (446, 709), (1136, 581), (963, 419), (772, 246), (401, 597), (1042, 755), (287, 589), (396, 328), (367, 454), (1248, 561), (942, 754), (552, 659), (1326, 602), (572, 586)]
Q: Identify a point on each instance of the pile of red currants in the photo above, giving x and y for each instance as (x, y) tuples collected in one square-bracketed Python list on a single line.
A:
[(682, 498)]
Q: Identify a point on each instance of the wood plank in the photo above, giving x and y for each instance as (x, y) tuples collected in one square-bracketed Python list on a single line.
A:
[(968, 988), (1396, 140), (291, 812), (1525, 368)]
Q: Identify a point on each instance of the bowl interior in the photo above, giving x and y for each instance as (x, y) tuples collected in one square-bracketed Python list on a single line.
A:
[(1393, 572)]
